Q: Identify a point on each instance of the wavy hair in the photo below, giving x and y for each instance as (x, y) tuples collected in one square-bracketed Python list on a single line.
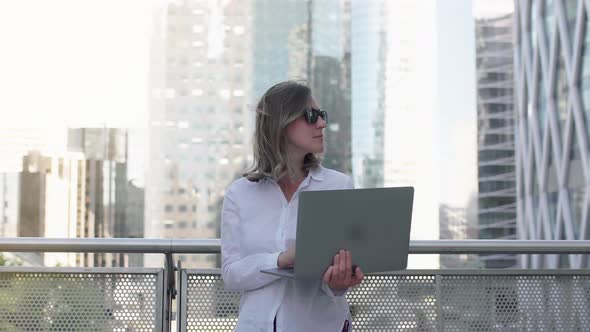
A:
[(280, 105)]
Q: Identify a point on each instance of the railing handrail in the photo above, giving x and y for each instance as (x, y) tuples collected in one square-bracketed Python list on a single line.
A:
[(213, 246)]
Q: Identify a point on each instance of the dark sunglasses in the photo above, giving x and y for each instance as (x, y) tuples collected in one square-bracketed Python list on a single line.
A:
[(312, 114)]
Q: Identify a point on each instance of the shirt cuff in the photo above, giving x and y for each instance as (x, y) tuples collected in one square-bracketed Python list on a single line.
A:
[(333, 294), (273, 260)]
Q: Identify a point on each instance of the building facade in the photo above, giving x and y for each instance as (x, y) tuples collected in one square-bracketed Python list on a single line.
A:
[(8, 203), (552, 67), (317, 35), (495, 135), (211, 62), (412, 106), (51, 202), (457, 224), (80, 192), (134, 225), (104, 191), (280, 43), (200, 119), (367, 91), (14, 144), (330, 76)]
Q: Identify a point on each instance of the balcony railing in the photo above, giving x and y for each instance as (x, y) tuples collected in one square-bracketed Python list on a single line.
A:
[(141, 299)]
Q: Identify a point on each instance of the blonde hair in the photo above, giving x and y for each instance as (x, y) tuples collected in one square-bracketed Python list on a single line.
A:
[(280, 105)]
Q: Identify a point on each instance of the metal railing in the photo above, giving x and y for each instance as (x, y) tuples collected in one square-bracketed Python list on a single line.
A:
[(140, 299)]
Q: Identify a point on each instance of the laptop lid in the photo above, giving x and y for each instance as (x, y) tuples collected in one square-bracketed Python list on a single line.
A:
[(373, 224)]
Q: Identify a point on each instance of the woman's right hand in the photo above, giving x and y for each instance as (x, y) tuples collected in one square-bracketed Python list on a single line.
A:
[(286, 259), (342, 275)]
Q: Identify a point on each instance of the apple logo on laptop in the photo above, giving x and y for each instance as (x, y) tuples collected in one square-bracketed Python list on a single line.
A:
[(356, 233)]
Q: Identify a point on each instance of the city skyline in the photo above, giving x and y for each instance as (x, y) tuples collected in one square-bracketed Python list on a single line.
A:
[(159, 5), (401, 98), (125, 121), (135, 117)]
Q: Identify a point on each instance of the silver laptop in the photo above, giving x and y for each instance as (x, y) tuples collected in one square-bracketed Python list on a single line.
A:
[(374, 224)]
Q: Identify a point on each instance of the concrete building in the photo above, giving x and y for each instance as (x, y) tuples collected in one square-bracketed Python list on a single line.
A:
[(105, 187), (201, 117), (51, 202), (134, 223)]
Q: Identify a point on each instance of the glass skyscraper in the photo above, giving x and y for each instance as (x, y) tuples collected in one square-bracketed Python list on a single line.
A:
[(413, 111), (367, 33), (272, 62), (211, 61)]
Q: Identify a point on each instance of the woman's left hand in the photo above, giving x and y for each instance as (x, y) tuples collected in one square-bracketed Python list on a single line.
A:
[(340, 275)]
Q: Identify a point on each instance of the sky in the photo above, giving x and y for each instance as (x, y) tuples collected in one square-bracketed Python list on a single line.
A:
[(457, 104), (86, 62), (491, 8), (74, 62)]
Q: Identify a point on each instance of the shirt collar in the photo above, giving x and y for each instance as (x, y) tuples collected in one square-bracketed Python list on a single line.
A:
[(317, 173)]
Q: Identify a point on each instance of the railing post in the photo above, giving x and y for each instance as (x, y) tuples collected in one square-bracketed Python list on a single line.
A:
[(181, 301), (438, 296), (170, 294)]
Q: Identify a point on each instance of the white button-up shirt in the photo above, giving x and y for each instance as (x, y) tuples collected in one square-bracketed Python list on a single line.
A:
[(257, 224)]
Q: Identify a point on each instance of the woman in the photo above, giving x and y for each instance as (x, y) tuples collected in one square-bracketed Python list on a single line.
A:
[(259, 219)]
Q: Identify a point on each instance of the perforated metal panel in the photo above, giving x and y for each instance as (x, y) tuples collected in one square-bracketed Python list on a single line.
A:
[(426, 301), (208, 307), (516, 303), (80, 301), (394, 303)]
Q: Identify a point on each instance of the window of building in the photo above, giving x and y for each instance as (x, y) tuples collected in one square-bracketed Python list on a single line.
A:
[(197, 28), (239, 30), (224, 93)]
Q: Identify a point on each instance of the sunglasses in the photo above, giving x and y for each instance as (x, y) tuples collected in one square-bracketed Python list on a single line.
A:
[(312, 114)]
